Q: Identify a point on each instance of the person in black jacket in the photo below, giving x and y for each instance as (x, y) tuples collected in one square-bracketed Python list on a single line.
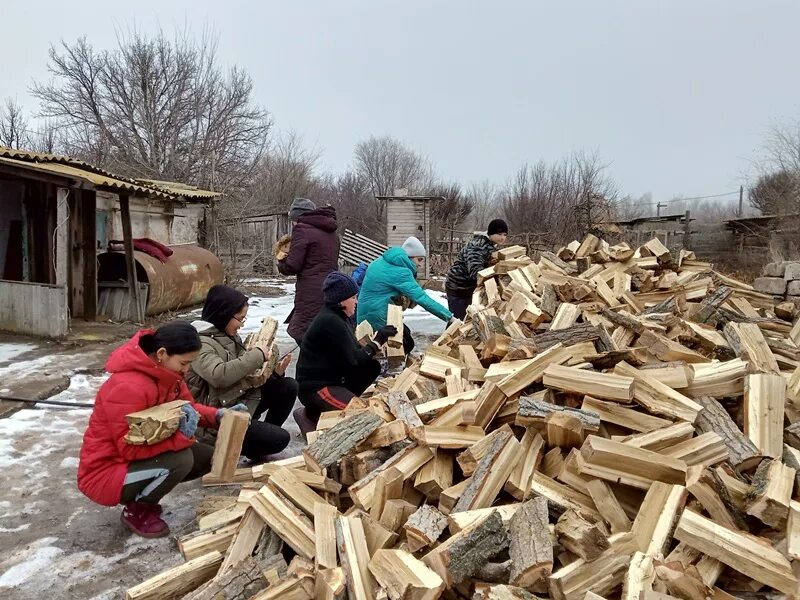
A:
[(333, 367), (462, 278)]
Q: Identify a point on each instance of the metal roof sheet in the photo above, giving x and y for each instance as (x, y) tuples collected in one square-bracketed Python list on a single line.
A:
[(355, 248), (73, 167)]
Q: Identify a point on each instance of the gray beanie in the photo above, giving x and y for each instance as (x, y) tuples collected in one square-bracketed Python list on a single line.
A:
[(299, 207), (413, 247)]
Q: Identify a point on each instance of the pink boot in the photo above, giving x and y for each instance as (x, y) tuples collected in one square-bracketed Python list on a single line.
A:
[(303, 421), (143, 519)]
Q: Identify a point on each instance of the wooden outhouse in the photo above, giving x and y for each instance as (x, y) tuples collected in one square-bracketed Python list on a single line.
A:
[(406, 216)]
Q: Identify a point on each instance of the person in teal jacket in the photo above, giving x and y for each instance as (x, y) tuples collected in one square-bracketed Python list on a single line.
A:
[(390, 277)]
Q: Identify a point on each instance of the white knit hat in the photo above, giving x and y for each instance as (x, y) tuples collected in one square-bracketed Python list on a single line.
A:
[(413, 247)]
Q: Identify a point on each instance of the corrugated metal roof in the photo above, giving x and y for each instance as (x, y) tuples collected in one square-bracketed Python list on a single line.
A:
[(98, 180), (76, 168), (355, 248)]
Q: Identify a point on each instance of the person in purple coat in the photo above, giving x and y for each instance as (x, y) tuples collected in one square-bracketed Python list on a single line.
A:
[(312, 255)]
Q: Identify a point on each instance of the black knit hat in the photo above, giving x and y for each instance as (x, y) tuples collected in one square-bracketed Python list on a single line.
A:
[(497, 226), (337, 287), (222, 303)]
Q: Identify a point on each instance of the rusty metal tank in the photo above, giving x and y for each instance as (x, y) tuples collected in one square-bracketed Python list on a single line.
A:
[(182, 281)]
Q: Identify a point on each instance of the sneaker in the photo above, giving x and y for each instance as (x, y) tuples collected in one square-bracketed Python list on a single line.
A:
[(143, 519), (303, 421)]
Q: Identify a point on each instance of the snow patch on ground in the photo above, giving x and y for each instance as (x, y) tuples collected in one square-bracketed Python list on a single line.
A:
[(33, 559), (421, 322), (9, 351), (82, 389), (70, 462)]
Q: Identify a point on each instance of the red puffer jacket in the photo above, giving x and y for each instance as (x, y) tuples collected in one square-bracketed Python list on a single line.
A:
[(136, 383)]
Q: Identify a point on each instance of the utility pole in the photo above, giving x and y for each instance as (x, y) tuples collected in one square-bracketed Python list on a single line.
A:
[(658, 208), (741, 198)]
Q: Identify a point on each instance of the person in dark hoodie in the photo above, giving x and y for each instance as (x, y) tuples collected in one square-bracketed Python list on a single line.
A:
[(333, 367), (145, 372), (462, 278), (312, 255), (223, 374)]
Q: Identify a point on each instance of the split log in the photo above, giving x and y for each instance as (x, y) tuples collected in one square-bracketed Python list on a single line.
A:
[(394, 316), (263, 338), (500, 592), (533, 370), (244, 542), (354, 556), (604, 385), (611, 412), (534, 413), (463, 554), (330, 584), (705, 485), (290, 523), (667, 350), (178, 581), (240, 583), (207, 540), (154, 424), (770, 493), (580, 536), (404, 577), (617, 462), (582, 332), (750, 555), (657, 397), (708, 307), (530, 544), (435, 475), (519, 482), (742, 452), (403, 410), (325, 536), (491, 473), (764, 399), (639, 578), (228, 446), (652, 529), (424, 527), (331, 446), (748, 342), (608, 506)]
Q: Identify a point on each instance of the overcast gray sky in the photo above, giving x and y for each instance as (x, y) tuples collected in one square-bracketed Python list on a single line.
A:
[(676, 96)]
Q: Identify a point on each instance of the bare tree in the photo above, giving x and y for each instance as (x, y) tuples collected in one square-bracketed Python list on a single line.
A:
[(13, 126), (352, 197), (156, 108), (387, 165), (450, 210), (562, 201), (776, 193), (486, 205), (628, 207), (285, 172), (783, 148)]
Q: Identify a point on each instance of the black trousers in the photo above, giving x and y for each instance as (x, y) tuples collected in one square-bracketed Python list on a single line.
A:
[(151, 479), (458, 305), (268, 437), (336, 397), (408, 341)]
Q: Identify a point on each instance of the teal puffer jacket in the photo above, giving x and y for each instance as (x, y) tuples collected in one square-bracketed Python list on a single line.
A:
[(389, 277)]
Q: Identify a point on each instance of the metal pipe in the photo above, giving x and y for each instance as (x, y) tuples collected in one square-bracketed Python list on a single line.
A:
[(51, 402)]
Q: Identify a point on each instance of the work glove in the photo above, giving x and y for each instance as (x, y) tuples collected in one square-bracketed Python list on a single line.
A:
[(187, 424), (384, 333), (237, 407)]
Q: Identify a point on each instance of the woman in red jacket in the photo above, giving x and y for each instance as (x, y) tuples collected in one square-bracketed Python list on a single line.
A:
[(146, 371)]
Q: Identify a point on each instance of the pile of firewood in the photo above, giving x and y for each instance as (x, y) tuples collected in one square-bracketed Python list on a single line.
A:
[(607, 422)]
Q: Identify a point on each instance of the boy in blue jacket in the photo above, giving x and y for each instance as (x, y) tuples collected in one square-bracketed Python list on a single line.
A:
[(388, 278)]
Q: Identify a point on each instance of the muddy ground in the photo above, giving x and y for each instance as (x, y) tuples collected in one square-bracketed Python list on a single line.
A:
[(53, 541)]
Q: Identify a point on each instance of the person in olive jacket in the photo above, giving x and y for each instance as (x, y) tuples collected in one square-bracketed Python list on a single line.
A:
[(333, 367), (223, 374), (313, 254)]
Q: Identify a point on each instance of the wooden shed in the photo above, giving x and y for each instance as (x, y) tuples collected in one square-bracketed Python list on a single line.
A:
[(57, 214), (406, 216)]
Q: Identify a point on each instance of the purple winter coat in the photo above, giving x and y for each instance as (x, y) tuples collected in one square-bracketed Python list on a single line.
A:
[(312, 255)]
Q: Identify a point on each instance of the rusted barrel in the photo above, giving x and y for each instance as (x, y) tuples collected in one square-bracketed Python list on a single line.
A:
[(182, 281)]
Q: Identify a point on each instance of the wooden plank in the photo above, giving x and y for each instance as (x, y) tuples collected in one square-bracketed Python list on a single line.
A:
[(750, 555), (228, 446), (178, 581)]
